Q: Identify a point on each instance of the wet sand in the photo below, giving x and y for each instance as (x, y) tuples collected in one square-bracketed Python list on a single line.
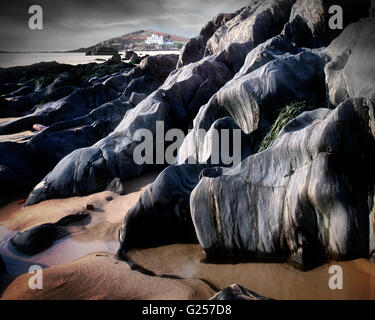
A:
[(85, 260), (98, 233)]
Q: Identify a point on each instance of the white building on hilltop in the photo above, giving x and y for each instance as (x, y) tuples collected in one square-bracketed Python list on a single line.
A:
[(154, 39), (158, 40)]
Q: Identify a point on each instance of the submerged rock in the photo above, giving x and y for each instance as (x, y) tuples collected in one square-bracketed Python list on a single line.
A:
[(237, 292), (39, 238)]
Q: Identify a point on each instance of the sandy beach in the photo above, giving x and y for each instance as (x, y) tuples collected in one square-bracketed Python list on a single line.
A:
[(85, 259)]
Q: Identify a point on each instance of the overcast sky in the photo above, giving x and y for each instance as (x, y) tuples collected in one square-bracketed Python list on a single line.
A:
[(72, 24)]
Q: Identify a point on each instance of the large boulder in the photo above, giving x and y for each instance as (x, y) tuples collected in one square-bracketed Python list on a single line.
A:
[(308, 25), (41, 237), (306, 199), (351, 72), (159, 66)]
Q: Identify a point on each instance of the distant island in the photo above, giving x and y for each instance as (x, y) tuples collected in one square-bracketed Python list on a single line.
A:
[(141, 40)]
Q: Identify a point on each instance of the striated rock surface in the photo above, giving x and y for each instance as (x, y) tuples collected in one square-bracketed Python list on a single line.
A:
[(351, 72), (305, 199), (308, 25), (273, 74), (76, 121), (176, 102), (255, 24), (162, 213), (194, 49)]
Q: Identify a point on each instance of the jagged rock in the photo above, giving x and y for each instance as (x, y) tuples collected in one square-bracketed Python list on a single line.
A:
[(159, 66), (151, 73), (351, 73), (194, 49), (305, 199), (128, 54), (237, 292), (176, 102), (23, 165), (116, 58), (77, 104), (274, 74), (255, 24), (308, 25), (39, 238), (134, 58)]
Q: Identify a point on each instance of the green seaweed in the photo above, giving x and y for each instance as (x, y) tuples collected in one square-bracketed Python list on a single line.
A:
[(288, 113)]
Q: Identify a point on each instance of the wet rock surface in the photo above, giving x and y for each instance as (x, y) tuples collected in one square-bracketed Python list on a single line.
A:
[(39, 238)]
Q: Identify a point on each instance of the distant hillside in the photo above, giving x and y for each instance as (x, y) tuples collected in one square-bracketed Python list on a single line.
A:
[(136, 41)]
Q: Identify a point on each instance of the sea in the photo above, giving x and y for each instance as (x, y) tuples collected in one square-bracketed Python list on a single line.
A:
[(24, 59)]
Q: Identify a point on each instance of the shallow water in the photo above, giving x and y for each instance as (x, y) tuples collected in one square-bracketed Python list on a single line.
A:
[(24, 59), (61, 252)]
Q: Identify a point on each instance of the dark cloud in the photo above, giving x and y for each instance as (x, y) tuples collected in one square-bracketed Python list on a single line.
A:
[(71, 24)]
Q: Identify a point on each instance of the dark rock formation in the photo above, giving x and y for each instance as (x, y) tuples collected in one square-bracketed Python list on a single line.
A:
[(75, 105), (76, 121), (255, 24), (237, 292), (39, 238), (194, 49), (308, 25), (102, 51), (273, 74), (134, 58), (128, 54), (162, 213), (176, 102), (351, 73), (289, 201), (116, 58)]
